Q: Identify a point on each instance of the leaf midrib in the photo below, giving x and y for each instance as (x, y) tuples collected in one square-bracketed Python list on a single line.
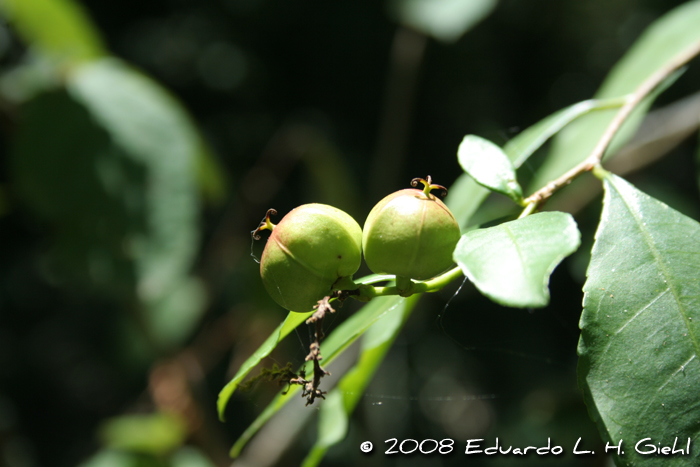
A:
[(657, 257), (521, 256)]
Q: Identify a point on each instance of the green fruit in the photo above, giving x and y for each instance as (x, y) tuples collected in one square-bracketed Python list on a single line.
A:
[(311, 251), (410, 234)]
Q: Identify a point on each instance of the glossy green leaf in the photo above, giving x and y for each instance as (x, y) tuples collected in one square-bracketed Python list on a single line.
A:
[(157, 433), (332, 426), (489, 166), (445, 20), (331, 347), (465, 195), (640, 328), (58, 28), (658, 45), (341, 401), (290, 323), (520, 148), (464, 198), (511, 263)]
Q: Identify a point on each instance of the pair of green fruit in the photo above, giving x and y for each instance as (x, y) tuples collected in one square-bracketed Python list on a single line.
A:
[(316, 248)]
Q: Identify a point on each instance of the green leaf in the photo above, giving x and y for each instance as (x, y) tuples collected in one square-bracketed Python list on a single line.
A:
[(445, 20), (331, 347), (640, 328), (464, 198), (658, 45), (342, 400), (511, 263), (60, 29), (290, 323), (465, 195), (332, 426), (157, 433), (489, 166), (520, 148)]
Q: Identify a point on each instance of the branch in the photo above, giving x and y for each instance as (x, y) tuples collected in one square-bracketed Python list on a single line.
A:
[(367, 292), (311, 387), (596, 156)]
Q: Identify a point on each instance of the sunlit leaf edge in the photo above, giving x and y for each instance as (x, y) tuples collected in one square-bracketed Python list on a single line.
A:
[(489, 166), (613, 183), (291, 321), (671, 33), (375, 346), (538, 296), (78, 41), (466, 195), (331, 347)]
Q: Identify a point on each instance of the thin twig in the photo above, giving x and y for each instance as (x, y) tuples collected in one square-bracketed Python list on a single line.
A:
[(596, 156), (311, 387)]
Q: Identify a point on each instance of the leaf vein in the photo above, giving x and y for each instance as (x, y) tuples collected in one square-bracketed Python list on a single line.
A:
[(648, 238), (681, 368), (642, 310), (514, 239)]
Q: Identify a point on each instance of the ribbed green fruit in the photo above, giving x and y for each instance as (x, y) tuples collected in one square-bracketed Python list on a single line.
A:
[(312, 248), (410, 234)]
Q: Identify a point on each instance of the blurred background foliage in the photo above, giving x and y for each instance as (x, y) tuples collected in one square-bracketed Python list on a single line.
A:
[(143, 141)]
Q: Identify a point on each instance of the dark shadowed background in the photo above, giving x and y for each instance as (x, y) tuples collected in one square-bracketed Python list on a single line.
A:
[(336, 102)]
